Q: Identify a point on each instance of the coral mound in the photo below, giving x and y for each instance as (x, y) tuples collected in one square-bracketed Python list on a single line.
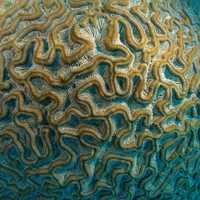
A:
[(99, 99)]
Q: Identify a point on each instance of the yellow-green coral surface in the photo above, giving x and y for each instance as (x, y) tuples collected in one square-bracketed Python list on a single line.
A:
[(99, 100)]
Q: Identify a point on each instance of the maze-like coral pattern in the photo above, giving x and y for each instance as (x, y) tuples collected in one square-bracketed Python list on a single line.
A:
[(99, 99)]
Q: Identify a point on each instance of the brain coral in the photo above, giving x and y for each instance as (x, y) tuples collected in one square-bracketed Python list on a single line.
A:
[(99, 99)]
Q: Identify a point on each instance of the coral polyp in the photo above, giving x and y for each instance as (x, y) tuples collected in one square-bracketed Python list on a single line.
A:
[(99, 99)]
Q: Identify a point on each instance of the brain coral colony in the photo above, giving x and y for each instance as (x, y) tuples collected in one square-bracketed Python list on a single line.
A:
[(99, 100)]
